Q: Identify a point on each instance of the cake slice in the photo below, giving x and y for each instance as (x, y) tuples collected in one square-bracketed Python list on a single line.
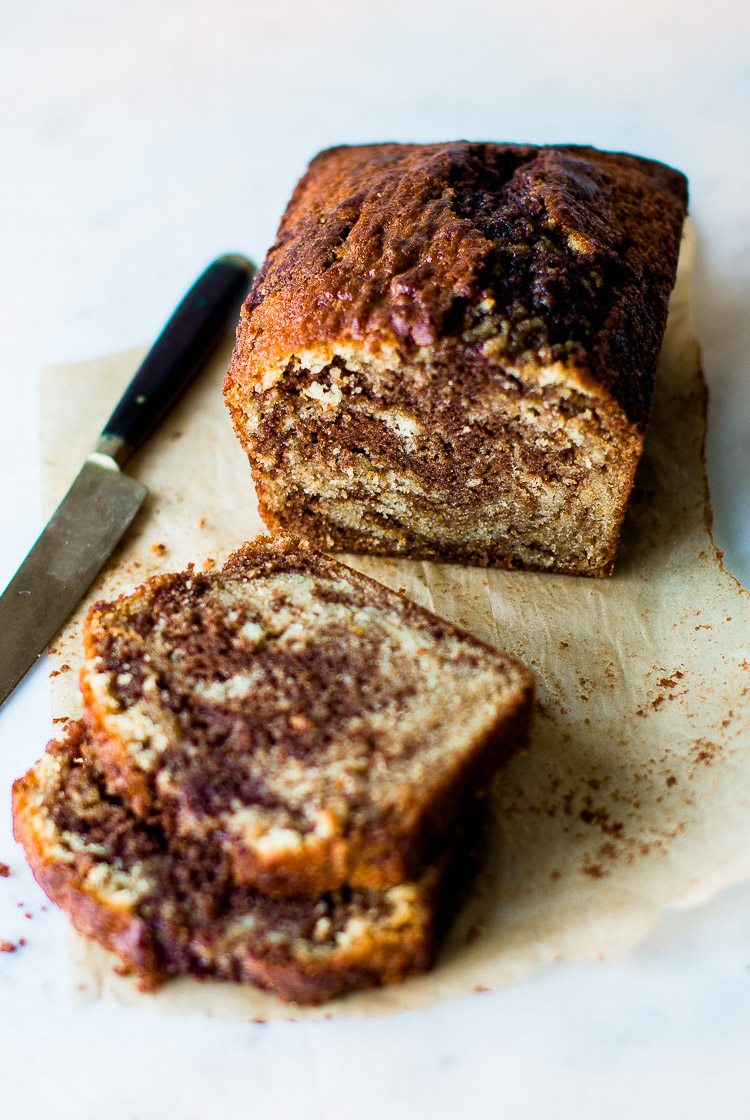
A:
[(450, 351), (323, 729), (170, 907)]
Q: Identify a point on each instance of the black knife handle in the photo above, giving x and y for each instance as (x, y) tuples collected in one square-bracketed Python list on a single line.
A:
[(193, 330)]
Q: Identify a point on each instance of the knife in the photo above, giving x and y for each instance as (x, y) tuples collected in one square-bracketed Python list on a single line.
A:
[(103, 501)]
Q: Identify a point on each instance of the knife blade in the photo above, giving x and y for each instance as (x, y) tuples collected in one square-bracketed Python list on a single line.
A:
[(103, 501)]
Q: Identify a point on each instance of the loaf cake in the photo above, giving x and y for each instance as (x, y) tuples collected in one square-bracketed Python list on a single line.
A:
[(169, 906), (450, 351), (321, 730)]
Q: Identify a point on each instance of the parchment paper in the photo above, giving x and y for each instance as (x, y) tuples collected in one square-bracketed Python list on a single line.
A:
[(634, 794)]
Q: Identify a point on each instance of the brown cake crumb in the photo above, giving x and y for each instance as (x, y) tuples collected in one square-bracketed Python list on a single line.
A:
[(4, 871)]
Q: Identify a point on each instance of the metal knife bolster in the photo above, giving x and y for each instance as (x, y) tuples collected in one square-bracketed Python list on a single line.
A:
[(110, 452)]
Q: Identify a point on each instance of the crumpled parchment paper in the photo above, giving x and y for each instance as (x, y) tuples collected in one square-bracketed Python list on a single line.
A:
[(633, 797)]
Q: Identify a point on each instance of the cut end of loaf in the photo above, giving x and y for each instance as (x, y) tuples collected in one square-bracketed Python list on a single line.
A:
[(528, 467)]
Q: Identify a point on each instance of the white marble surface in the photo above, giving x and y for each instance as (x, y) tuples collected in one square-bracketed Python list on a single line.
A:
[(137, 141)]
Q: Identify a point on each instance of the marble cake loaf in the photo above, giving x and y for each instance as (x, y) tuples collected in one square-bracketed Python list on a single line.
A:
[(168, 906), (324, 729), (450, 351)]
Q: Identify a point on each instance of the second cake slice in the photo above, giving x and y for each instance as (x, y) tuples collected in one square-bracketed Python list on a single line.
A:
[(324, 729), (168, 907)]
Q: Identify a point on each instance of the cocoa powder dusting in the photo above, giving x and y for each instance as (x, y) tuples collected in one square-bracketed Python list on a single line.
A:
[(597, 867), (705, 751), (600, 817)]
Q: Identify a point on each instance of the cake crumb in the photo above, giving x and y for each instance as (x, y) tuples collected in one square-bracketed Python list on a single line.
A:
[(4, 871), (7, 947), (473, 933), (159, 549)]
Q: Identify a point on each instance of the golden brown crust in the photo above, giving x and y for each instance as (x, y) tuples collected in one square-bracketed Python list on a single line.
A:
[(377, 848), (386, 244)]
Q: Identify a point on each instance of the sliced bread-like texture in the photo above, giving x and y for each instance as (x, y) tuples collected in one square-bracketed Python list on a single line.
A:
[(323, 729), (168, 906), (450, 350)]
